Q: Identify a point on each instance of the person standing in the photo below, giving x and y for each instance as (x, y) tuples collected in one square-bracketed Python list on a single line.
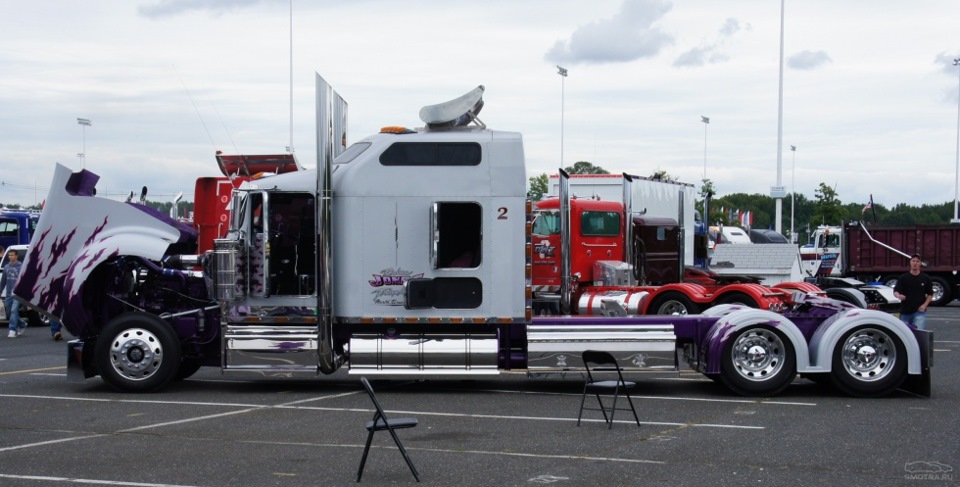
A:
[(8, 277), (914, 289)]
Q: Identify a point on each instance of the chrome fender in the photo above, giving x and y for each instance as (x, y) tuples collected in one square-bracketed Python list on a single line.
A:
[(826, 337), (734, 318)]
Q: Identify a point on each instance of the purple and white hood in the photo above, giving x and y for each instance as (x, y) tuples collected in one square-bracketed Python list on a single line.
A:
[(78, 231)]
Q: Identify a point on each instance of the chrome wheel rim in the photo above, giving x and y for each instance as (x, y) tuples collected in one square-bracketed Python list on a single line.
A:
[(869, 354), (758, 354), (937, 292), (673, 307), (136, 354)]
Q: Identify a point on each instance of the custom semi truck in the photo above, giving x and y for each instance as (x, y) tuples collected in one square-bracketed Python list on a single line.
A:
[(881, 253), (409, 253)]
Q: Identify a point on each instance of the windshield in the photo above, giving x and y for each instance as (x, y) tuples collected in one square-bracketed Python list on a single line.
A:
[(547, 223), (351, 153)]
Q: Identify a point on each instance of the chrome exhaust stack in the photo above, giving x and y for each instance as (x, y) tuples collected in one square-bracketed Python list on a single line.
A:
[(331, 137), (682, 244), (628, 225), (566, 279)]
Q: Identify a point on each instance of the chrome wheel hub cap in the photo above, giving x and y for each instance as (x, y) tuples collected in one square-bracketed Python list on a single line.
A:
[(758, 354), (869, 354), (136, 354)]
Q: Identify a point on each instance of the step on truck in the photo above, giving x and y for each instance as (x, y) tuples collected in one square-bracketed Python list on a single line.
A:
[(406, 254)]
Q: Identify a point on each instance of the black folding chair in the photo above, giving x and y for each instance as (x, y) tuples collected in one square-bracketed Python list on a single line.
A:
[(601, 367), (380, 423)]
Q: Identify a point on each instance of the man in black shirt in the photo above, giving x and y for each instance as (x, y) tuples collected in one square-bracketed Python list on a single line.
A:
[(915, 291)]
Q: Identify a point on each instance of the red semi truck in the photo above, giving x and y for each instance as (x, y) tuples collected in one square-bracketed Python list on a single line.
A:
[(646, 277)]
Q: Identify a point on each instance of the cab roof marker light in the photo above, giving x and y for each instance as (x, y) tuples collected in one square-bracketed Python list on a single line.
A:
[(396, 129)]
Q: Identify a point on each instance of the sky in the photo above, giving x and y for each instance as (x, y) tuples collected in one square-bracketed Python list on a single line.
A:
[(870, 91)]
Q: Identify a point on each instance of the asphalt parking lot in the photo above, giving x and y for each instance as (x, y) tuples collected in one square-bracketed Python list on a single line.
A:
[(243, 430)]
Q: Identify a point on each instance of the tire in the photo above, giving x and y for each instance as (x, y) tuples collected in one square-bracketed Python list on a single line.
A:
[(758, 361), (738, 298), (846, 295), (941, 292), (673, 303), (890, 281), (188, 367), (137, 352), (869, 361), (35, 319)]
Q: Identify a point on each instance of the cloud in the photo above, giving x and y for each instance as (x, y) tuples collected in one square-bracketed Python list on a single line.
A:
[(808, 60), (730, 27), (698, 56), (170, 8), (946, 60), (627, 36), (711, 53)]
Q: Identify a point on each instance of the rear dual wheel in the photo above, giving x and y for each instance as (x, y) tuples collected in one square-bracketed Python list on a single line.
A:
[(758, 361), (869, 361), (673, 303), (942, 294), (738, 298)]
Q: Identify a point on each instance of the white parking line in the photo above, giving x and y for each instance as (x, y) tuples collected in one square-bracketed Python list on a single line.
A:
[(86, 481), (297, 406), (475, 452), (665, 398), (50, 442)]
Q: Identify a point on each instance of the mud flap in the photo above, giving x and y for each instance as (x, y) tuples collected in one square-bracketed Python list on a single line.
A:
[(920, 384), (80, 364)]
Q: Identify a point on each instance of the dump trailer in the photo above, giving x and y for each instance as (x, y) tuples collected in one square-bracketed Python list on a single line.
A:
[(875, 253), (406, 254)]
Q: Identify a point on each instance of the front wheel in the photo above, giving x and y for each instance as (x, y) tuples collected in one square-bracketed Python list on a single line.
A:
[(137, 352), (758, 361), (869, 362)]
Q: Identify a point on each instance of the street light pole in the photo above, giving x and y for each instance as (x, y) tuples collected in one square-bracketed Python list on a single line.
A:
[(793, 191), (779, 199), (84, 123), (706, 121), (563, 75), (290, 147), (956, 183)]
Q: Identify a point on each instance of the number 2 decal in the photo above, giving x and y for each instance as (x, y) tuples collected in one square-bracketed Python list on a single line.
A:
[(502, 213)]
